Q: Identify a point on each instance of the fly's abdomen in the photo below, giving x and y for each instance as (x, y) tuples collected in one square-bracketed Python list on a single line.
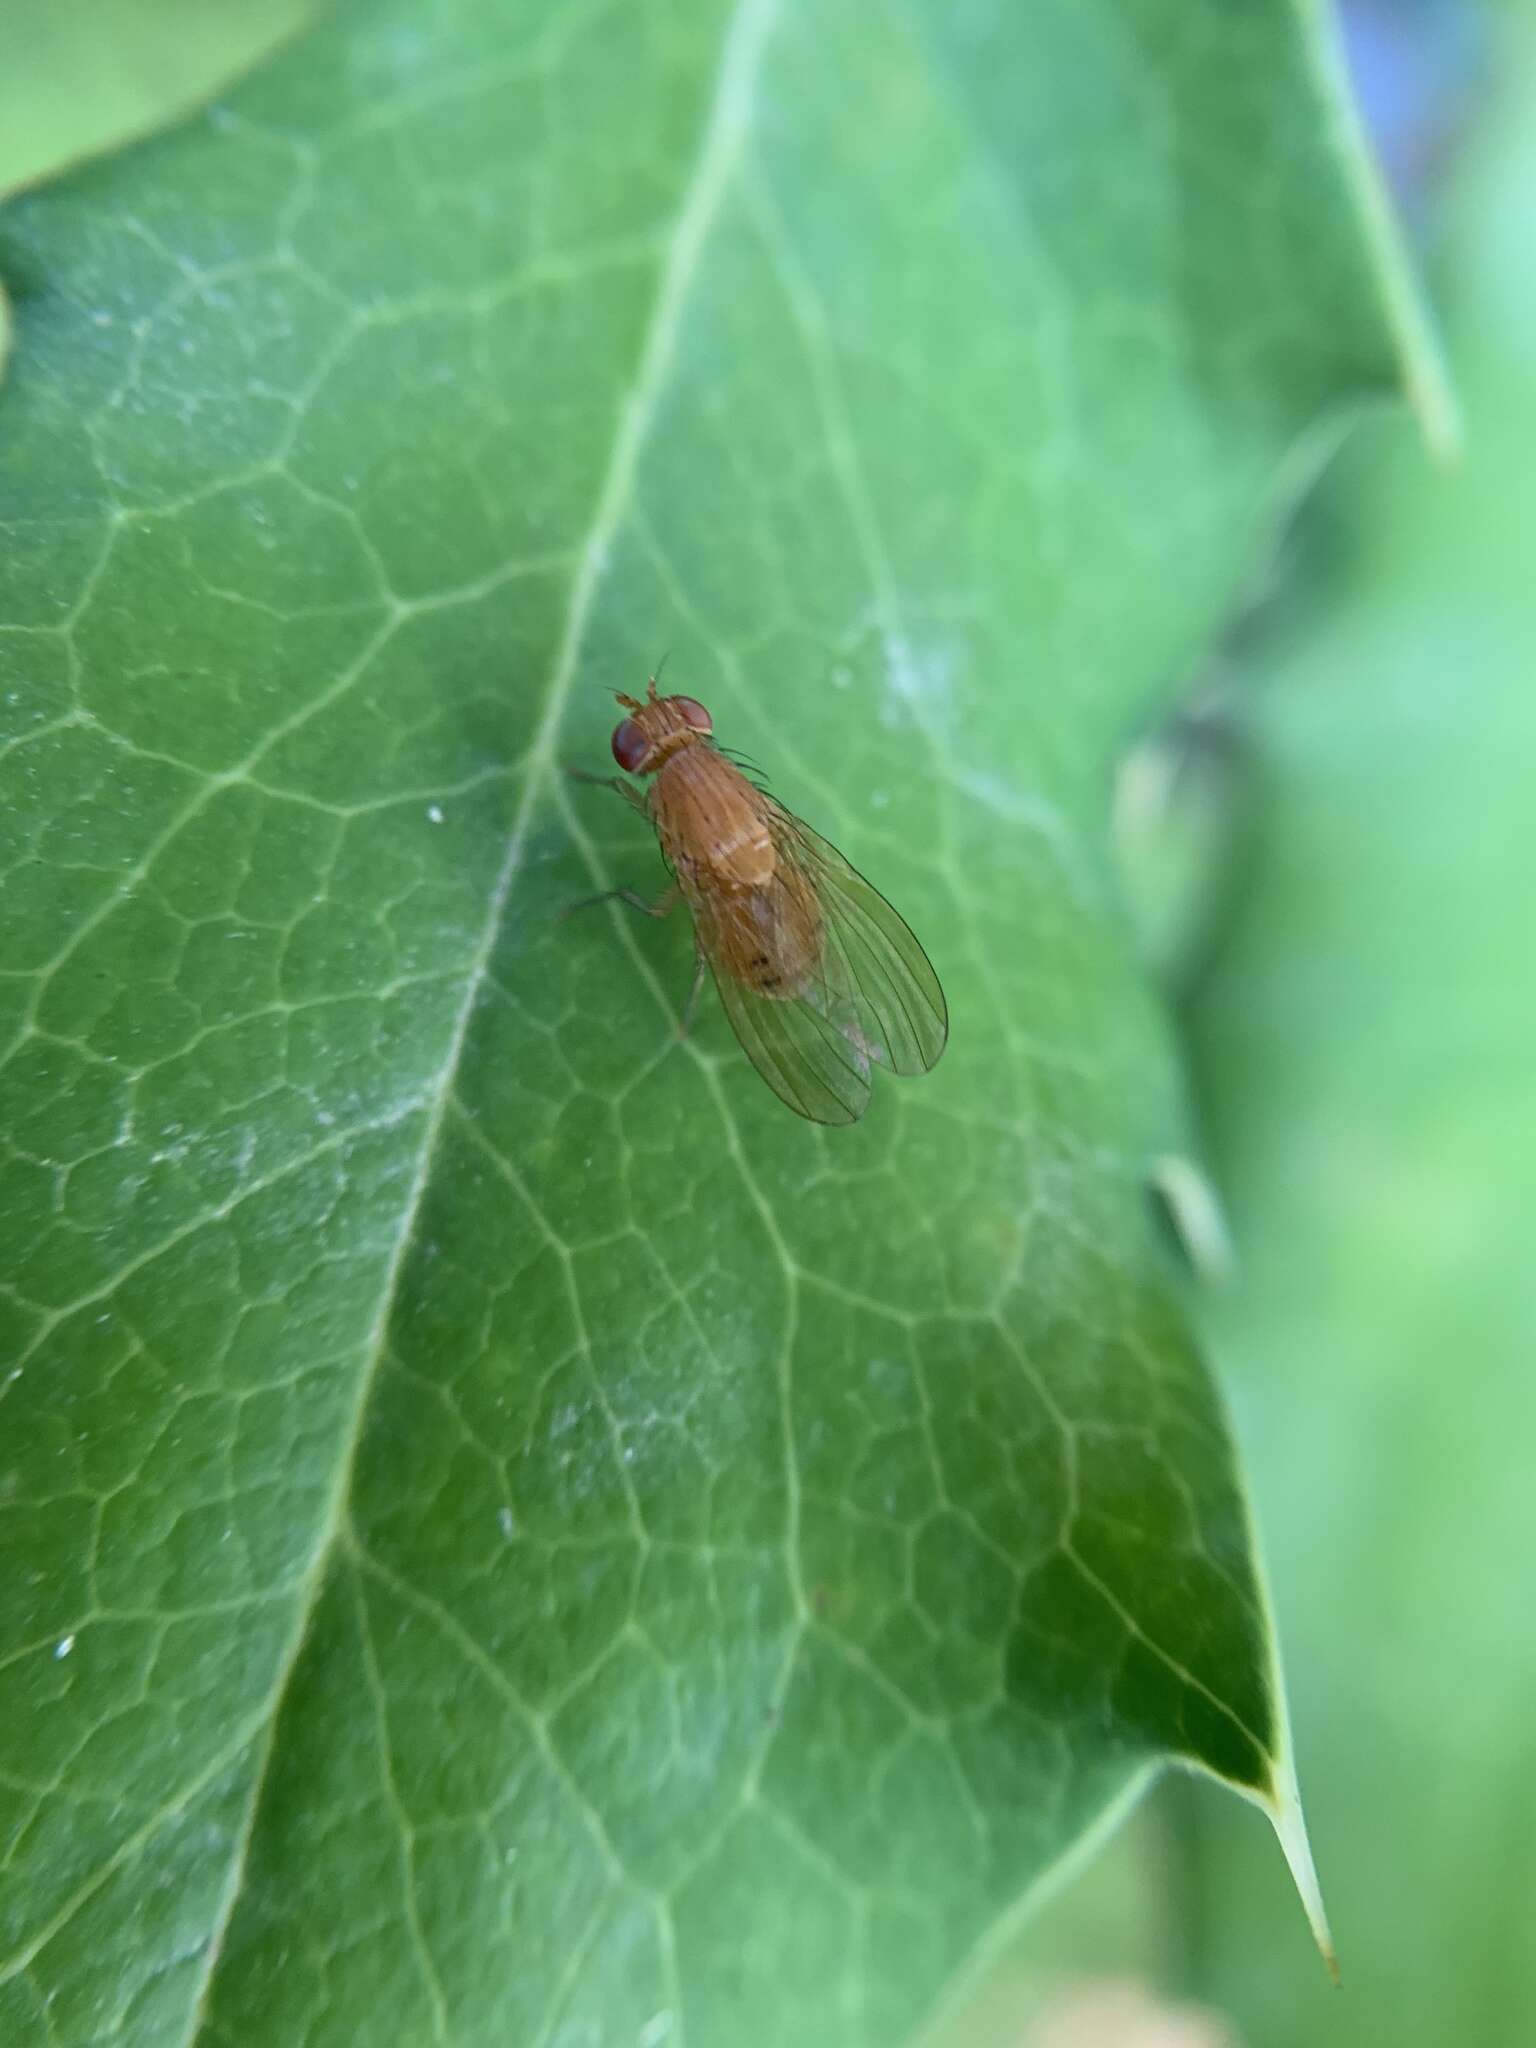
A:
[(777, 939)]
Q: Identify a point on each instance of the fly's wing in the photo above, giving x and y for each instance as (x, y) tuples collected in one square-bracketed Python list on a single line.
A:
[(874, 982), (868, 994), (818, 1069)]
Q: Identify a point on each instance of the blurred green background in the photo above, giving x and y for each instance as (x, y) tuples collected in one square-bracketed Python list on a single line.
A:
[(1367, 1050), (1340, 889), (78, 76), (1359, 996)]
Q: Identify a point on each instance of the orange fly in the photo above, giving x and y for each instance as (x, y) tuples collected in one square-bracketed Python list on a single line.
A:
[(818, 975)]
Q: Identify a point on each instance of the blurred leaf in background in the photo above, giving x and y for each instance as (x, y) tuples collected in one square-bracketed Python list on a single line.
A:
[(1366, 1044), (1368, 1054), (78, 76)]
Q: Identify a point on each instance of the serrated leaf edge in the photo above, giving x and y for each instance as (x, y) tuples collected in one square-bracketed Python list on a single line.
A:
[(1426, 378)]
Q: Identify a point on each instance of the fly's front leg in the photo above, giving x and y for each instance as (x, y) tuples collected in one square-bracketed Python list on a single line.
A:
[(635, 798)]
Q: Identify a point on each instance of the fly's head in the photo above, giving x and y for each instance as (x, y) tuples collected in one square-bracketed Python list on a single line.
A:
[(656, 729)]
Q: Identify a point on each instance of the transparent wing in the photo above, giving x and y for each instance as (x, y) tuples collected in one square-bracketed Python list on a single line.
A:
[(875, 982), (870, 993), (819, 1069)]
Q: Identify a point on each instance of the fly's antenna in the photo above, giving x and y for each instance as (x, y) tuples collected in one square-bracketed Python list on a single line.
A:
[(656, 674)]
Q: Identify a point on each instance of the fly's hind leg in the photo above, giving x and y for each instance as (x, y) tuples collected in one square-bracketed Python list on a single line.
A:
[(685, 1022)]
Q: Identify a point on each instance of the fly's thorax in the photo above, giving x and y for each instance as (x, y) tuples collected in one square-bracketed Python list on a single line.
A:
[(712, 821)]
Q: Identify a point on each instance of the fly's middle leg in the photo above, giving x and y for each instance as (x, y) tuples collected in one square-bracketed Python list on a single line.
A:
[(664, 905)]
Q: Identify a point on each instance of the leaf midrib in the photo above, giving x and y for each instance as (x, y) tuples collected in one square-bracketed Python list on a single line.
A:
[(726, 121)]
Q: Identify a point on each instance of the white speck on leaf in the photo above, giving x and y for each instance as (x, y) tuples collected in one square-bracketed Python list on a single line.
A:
[(435, 813), (505, 1523), (63, 1646)]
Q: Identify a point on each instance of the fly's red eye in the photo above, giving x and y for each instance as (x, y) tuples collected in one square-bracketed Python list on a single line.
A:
[(694, 714), (630, 745)]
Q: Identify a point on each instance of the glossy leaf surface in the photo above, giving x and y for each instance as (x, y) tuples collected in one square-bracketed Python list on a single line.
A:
[(510, 1535)]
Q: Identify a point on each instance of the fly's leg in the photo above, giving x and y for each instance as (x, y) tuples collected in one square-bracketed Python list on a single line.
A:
[(664, 905), (635, 798), (685, 1022)]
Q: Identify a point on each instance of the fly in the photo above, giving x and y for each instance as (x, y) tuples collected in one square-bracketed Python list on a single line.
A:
[(819, 976)]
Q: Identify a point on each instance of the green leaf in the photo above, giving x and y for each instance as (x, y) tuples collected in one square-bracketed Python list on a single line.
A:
[(1368, 1046), (83, 75), (512, 1536)]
